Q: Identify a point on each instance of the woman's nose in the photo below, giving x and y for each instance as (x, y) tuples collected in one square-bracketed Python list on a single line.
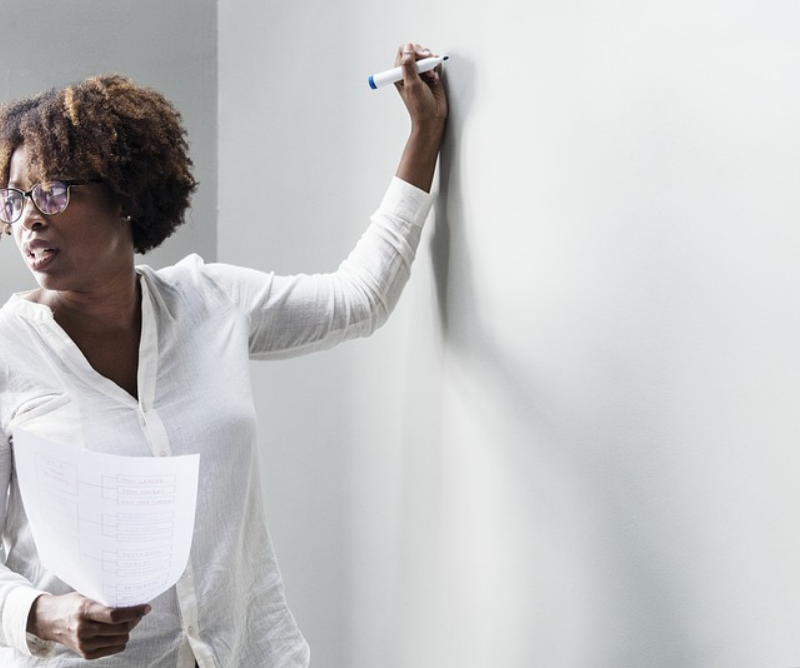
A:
[(30, 217)]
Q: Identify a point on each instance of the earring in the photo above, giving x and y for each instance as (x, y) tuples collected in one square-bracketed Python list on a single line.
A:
[(127, 219)]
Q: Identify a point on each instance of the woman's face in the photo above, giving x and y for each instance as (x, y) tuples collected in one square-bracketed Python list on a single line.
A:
[(81, 249)]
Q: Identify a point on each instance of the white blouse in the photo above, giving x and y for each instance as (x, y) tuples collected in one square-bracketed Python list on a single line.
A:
[(201, 324)]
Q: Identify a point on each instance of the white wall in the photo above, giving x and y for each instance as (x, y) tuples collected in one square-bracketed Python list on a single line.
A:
[(170, 46), (575, 444)]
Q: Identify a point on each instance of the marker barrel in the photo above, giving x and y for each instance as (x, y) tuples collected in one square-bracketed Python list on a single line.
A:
[(396, 73)]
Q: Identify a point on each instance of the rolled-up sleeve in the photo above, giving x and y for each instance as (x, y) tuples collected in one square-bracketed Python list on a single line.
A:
[(16, 593), (294, 315)]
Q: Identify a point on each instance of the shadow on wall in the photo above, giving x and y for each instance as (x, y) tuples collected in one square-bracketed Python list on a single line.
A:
[(461, 325), (612, 525)]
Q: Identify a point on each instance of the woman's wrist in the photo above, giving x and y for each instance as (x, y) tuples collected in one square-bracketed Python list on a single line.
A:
[(431, 130), (34, 616), (418, 162)]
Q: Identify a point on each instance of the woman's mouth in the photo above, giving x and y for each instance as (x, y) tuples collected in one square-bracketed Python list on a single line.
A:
[(40, 257)]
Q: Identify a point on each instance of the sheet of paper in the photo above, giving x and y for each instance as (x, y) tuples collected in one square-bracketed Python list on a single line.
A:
[(116, 529)]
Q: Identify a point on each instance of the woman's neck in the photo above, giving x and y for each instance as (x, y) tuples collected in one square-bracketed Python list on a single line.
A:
[(114, 307)]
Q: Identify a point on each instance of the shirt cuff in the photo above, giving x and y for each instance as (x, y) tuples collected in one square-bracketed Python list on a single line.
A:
[(38, 647), (407, 202), (15, 622)]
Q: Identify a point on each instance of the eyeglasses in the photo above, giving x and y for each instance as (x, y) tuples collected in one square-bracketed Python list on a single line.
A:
[(51, 198)]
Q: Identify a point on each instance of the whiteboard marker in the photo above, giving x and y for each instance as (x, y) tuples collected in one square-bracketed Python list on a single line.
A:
[(396, 73)]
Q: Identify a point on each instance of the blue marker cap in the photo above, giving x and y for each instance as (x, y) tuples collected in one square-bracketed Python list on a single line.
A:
[(372, 83)]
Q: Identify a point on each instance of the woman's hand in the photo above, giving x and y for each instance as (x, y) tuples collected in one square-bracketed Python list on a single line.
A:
[(423, 94), (88, 628), (426, 100)]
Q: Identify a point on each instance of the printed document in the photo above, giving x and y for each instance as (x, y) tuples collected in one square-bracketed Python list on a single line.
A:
[(116, 529)]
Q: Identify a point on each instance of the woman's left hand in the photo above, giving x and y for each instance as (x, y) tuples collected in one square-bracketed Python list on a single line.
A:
[(423, 94)]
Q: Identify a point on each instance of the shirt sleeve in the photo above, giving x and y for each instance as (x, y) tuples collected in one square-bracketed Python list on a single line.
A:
[(294, 315), (16, 592)]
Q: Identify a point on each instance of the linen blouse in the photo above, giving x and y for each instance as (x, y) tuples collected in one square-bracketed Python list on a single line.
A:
[(201, 325)]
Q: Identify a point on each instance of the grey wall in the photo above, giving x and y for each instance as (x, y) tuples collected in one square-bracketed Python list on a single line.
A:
[(575, 443), (170, 46)]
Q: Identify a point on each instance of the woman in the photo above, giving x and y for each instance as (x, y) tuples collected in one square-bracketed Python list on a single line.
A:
[(113, 357)]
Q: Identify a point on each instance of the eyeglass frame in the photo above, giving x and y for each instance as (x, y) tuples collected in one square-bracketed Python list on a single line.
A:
[(69, 183)]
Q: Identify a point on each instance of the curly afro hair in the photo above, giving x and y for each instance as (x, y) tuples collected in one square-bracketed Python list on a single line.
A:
[(109, 128)]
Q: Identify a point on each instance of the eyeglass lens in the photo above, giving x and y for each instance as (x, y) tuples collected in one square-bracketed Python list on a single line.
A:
[(50, 198)]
